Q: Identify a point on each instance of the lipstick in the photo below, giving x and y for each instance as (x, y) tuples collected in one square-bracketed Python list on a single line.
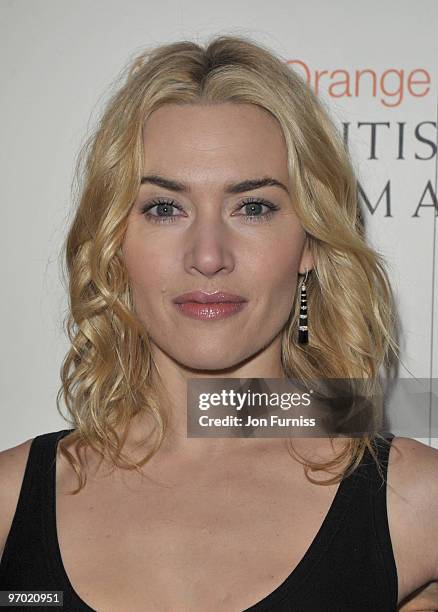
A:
[(207, 306)]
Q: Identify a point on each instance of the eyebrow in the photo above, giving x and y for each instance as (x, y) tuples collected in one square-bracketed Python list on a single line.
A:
[(242, 186)]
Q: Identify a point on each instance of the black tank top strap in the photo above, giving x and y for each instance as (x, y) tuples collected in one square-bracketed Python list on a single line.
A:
[(379, 515), (26, 544)]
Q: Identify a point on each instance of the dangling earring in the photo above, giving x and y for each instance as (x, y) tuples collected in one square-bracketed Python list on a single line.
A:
[(303, 333)]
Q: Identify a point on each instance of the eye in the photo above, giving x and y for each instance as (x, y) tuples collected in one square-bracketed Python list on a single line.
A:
[(164, 206), (254, 205)]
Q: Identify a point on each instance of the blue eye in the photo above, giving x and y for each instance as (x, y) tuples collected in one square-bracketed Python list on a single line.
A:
[(164, 206), (254, 205)]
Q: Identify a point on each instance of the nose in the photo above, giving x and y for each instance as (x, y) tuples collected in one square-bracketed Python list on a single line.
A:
[(208, 248)]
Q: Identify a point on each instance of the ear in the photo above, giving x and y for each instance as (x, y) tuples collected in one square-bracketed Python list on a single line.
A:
[(306, 262)]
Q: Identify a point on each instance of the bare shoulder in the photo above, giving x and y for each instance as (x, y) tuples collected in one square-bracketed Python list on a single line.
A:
[(413, 491), (415, 467), (12, 466)]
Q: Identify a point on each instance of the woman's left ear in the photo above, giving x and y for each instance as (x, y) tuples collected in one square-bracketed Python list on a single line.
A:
[(306, 262)]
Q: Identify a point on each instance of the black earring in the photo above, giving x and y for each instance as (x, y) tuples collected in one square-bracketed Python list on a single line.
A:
[(303, 333)]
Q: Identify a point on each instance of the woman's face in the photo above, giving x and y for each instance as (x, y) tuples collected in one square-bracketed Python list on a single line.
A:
[(206, 237)]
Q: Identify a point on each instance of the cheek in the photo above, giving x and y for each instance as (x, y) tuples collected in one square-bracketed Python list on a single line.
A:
[(277, 284), (276, 268), (148, 270)]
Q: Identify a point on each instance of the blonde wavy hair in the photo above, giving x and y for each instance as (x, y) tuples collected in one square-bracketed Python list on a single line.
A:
[(107, 373)]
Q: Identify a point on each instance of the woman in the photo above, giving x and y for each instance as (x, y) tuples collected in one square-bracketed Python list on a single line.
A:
[(217, 170)]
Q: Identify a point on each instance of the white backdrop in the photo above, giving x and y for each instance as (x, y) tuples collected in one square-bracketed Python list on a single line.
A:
[(57, 62)]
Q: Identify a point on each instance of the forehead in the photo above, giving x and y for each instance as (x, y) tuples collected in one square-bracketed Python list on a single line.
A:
[(228, 137)]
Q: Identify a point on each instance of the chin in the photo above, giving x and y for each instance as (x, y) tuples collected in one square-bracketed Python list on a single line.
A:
[(210, 361), (212, 365)]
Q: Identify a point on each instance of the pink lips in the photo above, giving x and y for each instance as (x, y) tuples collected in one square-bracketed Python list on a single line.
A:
[(209, 306)]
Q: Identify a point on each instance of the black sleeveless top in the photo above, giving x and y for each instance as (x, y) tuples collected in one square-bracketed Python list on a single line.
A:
[(349, 566)]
